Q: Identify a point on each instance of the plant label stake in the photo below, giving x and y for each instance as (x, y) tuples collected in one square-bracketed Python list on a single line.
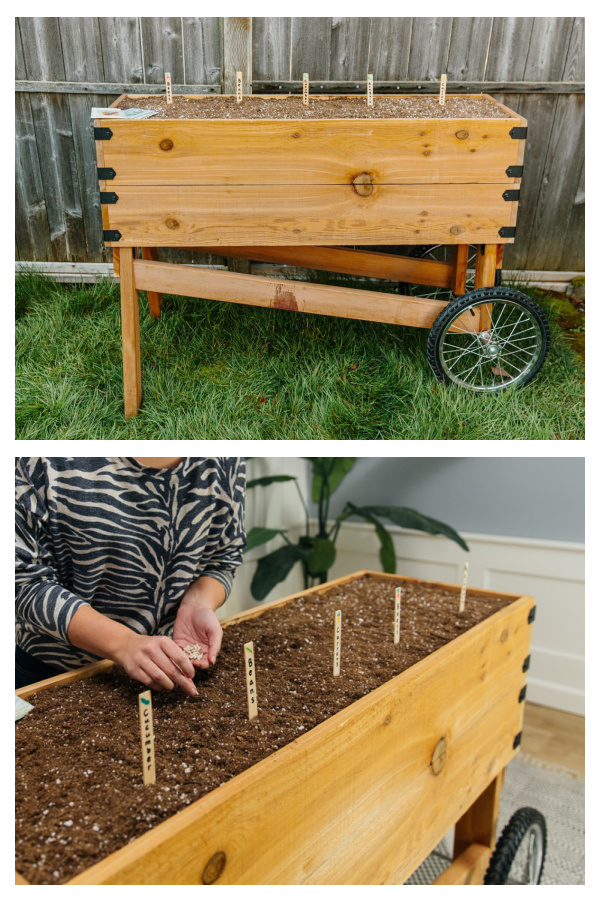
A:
[(337, 642), (305, 88), (442, 90), (147, 732), (397, 615), (168, 87), (238, 86), (251, 681), (369, 90), (463, 589)]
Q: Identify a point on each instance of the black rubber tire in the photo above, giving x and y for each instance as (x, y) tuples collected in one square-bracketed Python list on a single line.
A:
[(457, 306), (509, 842)]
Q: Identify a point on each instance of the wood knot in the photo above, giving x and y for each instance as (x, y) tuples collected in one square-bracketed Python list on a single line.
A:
[(173, 224), (295, 134), (387, 720), (457, 229), (166, 144), (462, 135), (504, 636), (439, 756), (363, 184), (214, 868)]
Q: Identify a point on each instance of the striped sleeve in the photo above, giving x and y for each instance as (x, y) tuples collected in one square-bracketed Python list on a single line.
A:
[(227, 554), (41, 601)]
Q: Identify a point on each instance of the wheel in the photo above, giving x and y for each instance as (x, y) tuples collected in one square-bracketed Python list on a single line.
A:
[(442, 253), (520, 850), (508, 351)]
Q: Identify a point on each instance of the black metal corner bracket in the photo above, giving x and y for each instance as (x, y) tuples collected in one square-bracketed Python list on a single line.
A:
[(511, 195), (517, 740), (522, 694), (507, 231), (108, 197), (515, 171), (106, 174), (531, 615), (102, 134), (518, 133), (108, 236), (526, 663)]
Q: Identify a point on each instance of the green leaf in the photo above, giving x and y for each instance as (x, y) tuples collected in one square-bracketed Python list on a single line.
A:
[(274, 567), (387, 552), (410, 518), (258, 535), (321, 556), (269, 479), (334, 468)]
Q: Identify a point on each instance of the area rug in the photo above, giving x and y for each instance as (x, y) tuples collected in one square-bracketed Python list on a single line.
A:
[(559, 796)]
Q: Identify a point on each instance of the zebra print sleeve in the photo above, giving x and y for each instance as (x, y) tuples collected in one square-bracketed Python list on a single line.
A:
[(40, 598), (125, 539)]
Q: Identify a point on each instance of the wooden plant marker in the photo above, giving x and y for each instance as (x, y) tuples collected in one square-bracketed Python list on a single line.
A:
[(147, 734), (443, 90), (238, 86), (251, 680), (397, 603), (305, 89), (168, 87), (463, 589), (337, 642), (369, 90)]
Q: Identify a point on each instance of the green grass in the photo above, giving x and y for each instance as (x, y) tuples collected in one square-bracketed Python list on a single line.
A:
[(220, 371)]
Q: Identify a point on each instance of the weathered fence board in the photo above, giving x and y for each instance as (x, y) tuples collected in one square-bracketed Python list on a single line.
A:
[(122, 49), (533, 64)]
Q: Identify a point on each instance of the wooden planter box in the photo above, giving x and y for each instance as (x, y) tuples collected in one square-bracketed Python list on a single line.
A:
[(180, 182), (295, 192), (364, 797)]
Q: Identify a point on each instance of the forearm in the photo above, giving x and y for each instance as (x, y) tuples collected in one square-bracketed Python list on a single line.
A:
[(205, 592), (95, 633)]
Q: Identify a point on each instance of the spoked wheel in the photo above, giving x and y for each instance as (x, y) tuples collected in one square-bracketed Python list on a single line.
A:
[(488, 340), (520, 850)]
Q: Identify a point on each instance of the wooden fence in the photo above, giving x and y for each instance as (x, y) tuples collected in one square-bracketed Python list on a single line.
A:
[(66, 65)]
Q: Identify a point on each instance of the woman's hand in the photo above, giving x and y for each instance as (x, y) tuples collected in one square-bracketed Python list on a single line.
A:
[(196, 624), (158, 662)]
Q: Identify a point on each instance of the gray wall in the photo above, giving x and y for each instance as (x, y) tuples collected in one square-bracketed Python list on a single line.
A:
[(66, 65), (522, 497)]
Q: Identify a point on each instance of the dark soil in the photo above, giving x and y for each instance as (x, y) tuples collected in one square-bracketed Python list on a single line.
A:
[(291, 107), (79, 788)]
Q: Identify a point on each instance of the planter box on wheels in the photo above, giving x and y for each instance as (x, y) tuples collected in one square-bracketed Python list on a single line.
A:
[(366, 795), (297, 190)]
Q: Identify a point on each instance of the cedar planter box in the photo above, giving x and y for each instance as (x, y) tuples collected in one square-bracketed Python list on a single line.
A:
[(328, 181), (296, 190), (365, 796)]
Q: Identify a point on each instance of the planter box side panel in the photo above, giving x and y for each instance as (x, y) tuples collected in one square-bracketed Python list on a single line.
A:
[(292, 215), (420, 151), (356, 800)]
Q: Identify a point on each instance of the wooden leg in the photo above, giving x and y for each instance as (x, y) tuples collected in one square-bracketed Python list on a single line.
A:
[(130, 324), (478, 825), (115, 260), (461, 255), (485, 276), (154, 299)]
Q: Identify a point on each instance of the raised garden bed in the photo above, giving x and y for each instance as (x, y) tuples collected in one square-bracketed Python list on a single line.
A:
[(273, 180), (350, 780)]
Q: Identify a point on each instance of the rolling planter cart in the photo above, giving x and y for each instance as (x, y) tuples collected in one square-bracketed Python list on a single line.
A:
[(296, 190), (366, 795)]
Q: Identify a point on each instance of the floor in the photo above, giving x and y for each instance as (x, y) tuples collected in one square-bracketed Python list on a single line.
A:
[(556, 737)]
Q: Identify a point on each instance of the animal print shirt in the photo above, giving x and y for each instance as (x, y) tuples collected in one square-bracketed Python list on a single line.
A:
[(124, 538)]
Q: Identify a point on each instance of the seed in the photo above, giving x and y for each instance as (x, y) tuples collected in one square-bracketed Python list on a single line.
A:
[(194, 651)]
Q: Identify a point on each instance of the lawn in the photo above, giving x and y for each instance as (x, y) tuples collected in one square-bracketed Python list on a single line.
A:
[(221, 371)]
